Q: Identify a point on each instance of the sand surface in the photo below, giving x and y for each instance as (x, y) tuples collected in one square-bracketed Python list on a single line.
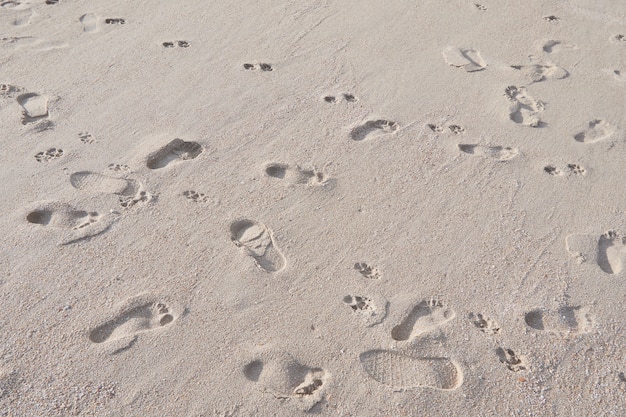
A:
[(340, 208)]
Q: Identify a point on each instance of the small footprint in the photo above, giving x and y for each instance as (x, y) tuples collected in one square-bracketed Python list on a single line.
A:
[(570, 169), (402, 371), (52, 1), (257, 241), (195, 196), (566, 321), (176, 150), (619, 39), (523, 109), (49, 155), (618, 75), (294, 174), (174, 44), (498, 153), (119, 168), (86, 138), (90, 22), (480, 7), (537, 73), (456, 129), (372, 310), (551, 18), (468, 59), (139, 316), (424, 317), (373, 128), (115, 21), (554, 46), (512, 361), (35, 107), (282, 376), (350, 98), (262, 66), (485, 324), (595, 131), (366, 270)]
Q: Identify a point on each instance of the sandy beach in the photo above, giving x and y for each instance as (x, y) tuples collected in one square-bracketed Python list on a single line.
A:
[(337, 208)]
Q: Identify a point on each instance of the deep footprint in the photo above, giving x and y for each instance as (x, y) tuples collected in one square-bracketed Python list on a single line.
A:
[(294, 174), (564, 321), (524, 109), (611, 252), (132, 321), (372, 310), (176, 150), (373, 128), (257, 241), (400, 371), (425, 316), (35, 107), (498, 153)]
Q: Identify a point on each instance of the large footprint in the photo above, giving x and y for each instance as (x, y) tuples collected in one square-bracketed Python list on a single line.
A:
[(401, 371), (595, 131), (176, 150), (496, 152), (139, 315), (35, 107), (468, 59), (279, 374), (425, 316), (257, 241), (523, 109), (566, 321), (608, 251)]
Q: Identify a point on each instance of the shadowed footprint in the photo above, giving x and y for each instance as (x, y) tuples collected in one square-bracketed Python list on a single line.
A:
[(400, 371), (537, 73), (373, 128), (499, 153), (372, 310), (176, 150), (294, 174), (468, 59), (523, 109), (611, 252), (596, 130), (90, 22), (257, 241), (35, 107), (138, 317), (566, 321), (425, 316)]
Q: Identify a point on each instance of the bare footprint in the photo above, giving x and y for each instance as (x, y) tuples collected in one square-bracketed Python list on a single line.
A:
[(498, 153), (566, 321), (468, 59), (139, 315), (401, 371), (537, 73), (98, 183), (523, 109), (294, 174), (425, 316), (90, 23), (373, 128), (372, 310), (176, 150), (35, 107), (608, 251), (595, 131), (257, 241), (282, 376)]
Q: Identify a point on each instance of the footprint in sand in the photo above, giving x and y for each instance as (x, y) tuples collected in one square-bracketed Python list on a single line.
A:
[(498, 153), (468, 59), (257, 241), (485, 324), (261, 66), (76, 224), (566, 321), (35, 44), (86, 138), (372, 310), (279, 374), (569, 170), (608, 251), (617, 74), (366, 270), (49, 155), (619, 39), (456, 129), (89, 22), (350, 98), (176, 150), (98, 183), (553, 46), (139, 315), (176, 44), (595, 131), (35, 107), (294, 174), (372, 129), (537, 73), (195, 196), (523, 109), (401, 371), (115, 21), (423, 317), (512, 361)]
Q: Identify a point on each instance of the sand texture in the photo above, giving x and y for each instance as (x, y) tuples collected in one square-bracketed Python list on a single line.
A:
[(328, 207)]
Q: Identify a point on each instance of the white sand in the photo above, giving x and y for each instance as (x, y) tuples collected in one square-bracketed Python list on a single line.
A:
[(346, 208)]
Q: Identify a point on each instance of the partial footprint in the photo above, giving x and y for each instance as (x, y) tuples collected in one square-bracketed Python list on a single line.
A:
[(257, 241), (350, 98), (73, 224), (523, 109), (294, 174), (485, 324), (90, 22), (176, 150), (618, 75), (554, 46), (35, 107), (139, 315), (404, 372), (373, 128), (619, 39), (570, 169), (282, 376), (608, 251), (537, 73), (115, 21), (366, 270), (498, 153), (49, 155), (98, 183), (261, 66), (566, 321), (174, 44), (595, 131), (195, 196), (425, 316), (512, 361), (456, 129), (372, 310), (86, 138), (468, 59)]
